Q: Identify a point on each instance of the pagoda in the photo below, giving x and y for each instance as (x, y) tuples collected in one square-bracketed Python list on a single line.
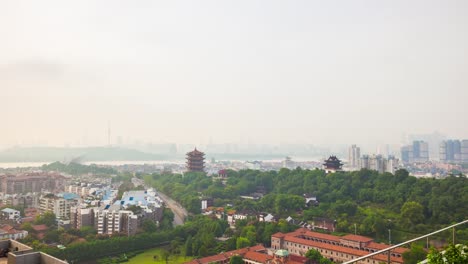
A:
[(195, 161), (332, 164)]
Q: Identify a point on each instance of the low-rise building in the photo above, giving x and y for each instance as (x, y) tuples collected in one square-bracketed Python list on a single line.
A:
[(253, 255), (20, 253), (10, 214), (335, 248), (9, 232)]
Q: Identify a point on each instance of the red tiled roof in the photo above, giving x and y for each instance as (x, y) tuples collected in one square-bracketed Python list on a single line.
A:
[(357, 238), (39, 228), (299, 259), (380, 246), (336, 248), (257, 248), (225, 256), (258, 257), (279, 235), (215, 258), (322, 236), (7, 227)]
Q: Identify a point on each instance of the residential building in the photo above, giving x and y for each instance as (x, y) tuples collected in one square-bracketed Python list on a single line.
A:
[(80, 217), (336, 248), (454, 151), (450, 151), (418, 152), (379, 163), (464, 151), (112, 219), (9, 232), (354, 157), (206, 202), (31, 182), (10, 214), (60, 205)]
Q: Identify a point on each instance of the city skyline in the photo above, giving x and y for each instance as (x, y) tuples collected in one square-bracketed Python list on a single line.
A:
[(264, 72)]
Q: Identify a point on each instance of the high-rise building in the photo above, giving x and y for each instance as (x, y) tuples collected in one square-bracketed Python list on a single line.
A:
[(464, 151), (354, 157), (80, 217), (60, 206), (417, 152), (112, 219), (379, 163), (195, 161), (454, 151), (407, 154)]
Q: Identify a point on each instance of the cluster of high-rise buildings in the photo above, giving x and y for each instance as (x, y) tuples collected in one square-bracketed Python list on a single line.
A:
[(454, 151), (417, 152), (371, 162)]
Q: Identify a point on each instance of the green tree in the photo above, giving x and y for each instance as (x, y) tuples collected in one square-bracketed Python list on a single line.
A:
[(453, 255), (242, 242), (236, 259), (414, 255), (165, 255), (149, 226), (188, 246), (47, 218), (313, 254), (412, 213)]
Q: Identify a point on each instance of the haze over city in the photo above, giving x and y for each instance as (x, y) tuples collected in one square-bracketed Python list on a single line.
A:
[(321, 72)]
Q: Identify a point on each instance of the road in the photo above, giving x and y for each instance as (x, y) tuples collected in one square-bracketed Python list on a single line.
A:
[(179, 212)]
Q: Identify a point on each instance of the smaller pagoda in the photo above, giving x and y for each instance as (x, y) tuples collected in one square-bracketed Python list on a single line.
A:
[(195, 161), (332, 164)]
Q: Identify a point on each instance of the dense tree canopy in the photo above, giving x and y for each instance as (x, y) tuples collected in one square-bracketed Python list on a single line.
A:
[(374, 202)]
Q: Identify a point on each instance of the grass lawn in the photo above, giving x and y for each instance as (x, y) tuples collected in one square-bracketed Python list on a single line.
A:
[(147, 258)]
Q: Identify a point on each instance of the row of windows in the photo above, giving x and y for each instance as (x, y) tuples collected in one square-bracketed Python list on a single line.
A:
[(326, 252)]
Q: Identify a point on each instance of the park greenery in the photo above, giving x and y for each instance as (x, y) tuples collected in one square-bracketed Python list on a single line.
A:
[(78, 169), (363, 201)]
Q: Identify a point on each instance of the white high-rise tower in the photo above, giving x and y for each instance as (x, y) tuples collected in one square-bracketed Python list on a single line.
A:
[(354, 157)]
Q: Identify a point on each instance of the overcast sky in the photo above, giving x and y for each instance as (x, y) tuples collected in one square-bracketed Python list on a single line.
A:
[(232, 71)]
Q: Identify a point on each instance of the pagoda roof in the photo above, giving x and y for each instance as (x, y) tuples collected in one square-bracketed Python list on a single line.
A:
[(195, 152)]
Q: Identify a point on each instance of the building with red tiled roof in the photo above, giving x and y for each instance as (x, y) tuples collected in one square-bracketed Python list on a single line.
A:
[(9, 232), (251, 255), (335, 248)]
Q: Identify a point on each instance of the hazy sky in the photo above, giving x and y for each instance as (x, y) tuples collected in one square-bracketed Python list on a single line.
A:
[(232, 71)]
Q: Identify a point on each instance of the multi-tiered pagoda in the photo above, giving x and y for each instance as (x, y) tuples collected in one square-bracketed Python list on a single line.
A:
[(195, 161), (332, 164)]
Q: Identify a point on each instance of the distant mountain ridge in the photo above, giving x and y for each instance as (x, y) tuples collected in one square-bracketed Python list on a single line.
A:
[(39, 154)]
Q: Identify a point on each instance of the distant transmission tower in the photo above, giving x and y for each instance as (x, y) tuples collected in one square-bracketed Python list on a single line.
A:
[(108, 134)]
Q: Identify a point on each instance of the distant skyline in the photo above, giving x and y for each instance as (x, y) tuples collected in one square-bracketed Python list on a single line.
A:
[(267, 72)]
